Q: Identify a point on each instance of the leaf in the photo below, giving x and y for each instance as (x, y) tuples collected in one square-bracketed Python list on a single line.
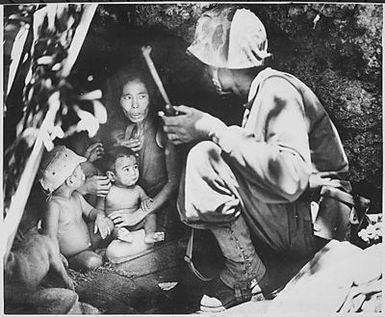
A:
[(51, 14), (54, 100), (166, 286), (57, 132), (100, 111), (20, 127), (70, 22), (87, 122), (47, 141), (29, 135), (38, 20), (95, 94), (56, 67), (28, 78), (45, 60), (48, 84)]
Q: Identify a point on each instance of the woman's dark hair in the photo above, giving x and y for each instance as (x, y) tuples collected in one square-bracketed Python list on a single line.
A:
[(112, 93), (124, 75), (129, 74), (114, 86)]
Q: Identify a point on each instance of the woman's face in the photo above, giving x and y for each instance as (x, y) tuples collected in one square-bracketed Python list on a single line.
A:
[(135, 101)]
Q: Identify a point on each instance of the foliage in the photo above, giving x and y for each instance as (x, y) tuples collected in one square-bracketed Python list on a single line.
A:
[(46, 86)]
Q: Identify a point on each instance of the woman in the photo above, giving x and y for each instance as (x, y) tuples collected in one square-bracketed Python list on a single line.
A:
[(130, 91)]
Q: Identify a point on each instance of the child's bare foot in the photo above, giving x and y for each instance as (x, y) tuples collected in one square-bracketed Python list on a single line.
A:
[(154, 237), (125, 235)]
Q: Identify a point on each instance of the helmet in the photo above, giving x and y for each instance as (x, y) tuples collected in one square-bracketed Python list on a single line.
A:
[(225, 39)]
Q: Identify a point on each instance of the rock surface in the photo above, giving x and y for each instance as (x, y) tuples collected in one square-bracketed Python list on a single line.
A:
[(334, 48)]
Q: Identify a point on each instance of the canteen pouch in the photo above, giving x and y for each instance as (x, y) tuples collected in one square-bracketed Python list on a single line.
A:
[(334, 214)]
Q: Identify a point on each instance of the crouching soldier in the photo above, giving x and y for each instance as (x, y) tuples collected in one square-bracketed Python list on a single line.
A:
[(255, 180)]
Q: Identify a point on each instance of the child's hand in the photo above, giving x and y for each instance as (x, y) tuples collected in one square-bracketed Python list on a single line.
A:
[(133, 144), (102, 224), (94, 152), (147, 205)]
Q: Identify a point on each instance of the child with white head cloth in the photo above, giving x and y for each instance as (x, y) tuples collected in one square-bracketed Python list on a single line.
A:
[(61, 176)]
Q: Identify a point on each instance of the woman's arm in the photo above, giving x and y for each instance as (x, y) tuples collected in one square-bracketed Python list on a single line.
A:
[(125, 138), (94, 152), (117, 136), (173, 174), (123, 217), (96, 185)]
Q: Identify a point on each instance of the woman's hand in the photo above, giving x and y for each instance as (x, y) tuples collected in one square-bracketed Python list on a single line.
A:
[(97, 185), (133, 144), (122, 218), (103, 225), (94, 152)]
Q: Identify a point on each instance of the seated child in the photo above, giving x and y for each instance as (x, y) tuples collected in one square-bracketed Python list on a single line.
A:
[(61, 176), (132, 93), (128, 199)]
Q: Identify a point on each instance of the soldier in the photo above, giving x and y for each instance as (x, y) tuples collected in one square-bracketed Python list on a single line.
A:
[(255, 179)]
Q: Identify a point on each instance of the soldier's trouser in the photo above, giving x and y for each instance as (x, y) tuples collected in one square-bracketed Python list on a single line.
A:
[(214, 196)]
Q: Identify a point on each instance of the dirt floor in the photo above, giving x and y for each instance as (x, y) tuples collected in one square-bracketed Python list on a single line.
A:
[(133, 286)]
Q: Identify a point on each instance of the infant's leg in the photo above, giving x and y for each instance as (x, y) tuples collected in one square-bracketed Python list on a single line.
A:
[(150, 229), (119, 251), (85, 261), (123, 234)]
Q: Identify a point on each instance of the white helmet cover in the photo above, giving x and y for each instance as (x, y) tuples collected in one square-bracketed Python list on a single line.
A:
[(225, 40)]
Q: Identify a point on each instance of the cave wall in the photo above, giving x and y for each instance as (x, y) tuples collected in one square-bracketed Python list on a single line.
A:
[(334, 48), (339, 57)]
